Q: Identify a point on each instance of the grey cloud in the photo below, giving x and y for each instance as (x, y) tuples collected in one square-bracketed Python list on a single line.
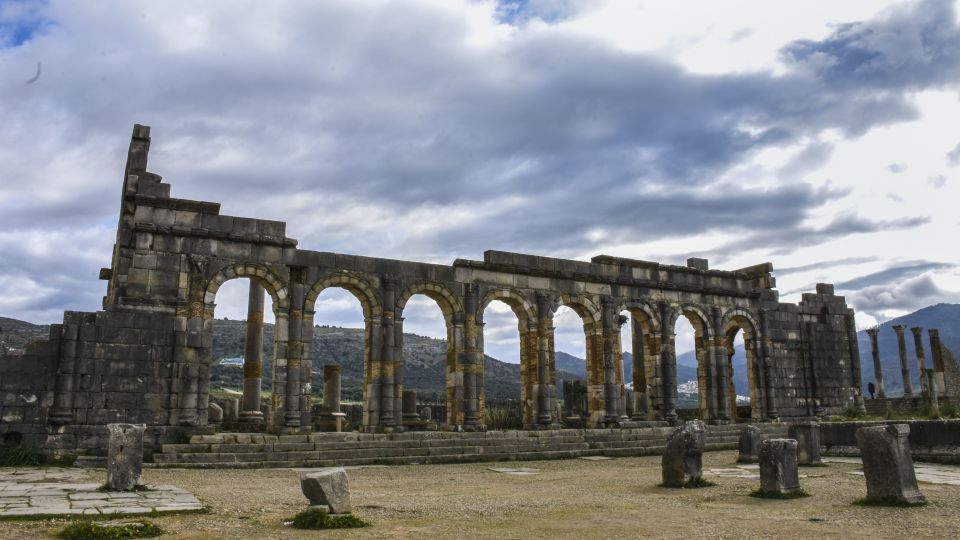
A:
[(812, 157), (824, 264), (953, 156), (741, 34), (897, 168), (907, 295), (937, 181), (893, 274), (894, 197), (385, 112)]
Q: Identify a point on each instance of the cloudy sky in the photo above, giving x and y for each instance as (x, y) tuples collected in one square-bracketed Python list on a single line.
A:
[(818, 135)]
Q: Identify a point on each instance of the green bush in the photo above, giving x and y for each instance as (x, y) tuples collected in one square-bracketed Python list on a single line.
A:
[(852, 411), (318, 519), (503, 416), (19, 455), (88, 530), (949, 410)]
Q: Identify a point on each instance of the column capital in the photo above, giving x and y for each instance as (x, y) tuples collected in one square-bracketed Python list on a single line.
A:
[(898, 328), (917, 331), (872, 332)]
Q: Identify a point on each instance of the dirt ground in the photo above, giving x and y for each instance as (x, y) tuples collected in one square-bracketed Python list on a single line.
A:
[(575, 498)]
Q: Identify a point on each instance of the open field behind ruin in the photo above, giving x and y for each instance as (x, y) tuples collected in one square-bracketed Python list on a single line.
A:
[(565, 499)]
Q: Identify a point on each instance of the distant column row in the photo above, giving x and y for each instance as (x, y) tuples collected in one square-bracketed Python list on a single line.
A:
[(930, 378)]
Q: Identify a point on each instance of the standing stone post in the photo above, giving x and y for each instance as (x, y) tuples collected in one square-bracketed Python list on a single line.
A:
[(877, 372), (921, 360), (778, 468), (937, 357), (231, 411), (934, 392), (124, 456), (807, 435), (330, 417), (887, 464), (749, 445), (410, 407), (904, 367), (253, 356), (682, 460)]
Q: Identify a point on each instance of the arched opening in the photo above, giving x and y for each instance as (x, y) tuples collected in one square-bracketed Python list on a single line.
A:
[(508, 381), (743, 393), (640, 333), (340, 337), (577, 331), (242, 325), (428, 335), (691, 343)]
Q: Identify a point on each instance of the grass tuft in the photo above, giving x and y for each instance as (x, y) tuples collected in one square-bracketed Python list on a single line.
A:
[(765, 495), (887, 501), (89, 530), (318, 519)]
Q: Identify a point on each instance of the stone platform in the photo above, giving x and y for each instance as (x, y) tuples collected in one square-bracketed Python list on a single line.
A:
[(239, 450), (61, 492)]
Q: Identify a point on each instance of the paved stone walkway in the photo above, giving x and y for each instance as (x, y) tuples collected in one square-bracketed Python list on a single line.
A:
[(61, 491)]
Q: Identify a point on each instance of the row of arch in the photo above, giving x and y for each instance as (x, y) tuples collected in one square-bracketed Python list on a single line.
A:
[(654, 373)]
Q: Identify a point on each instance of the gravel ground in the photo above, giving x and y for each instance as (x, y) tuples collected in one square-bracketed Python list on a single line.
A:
[(567, 499)]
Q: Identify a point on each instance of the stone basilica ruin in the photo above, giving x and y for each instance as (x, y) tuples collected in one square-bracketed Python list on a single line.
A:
[(146, 357)]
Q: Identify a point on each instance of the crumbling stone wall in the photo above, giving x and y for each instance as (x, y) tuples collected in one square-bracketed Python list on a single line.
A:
[(146, 356)]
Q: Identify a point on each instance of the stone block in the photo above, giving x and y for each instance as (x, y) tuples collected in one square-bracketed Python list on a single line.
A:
[(888, 465), (231, 410), (124, 456), (778, 467), (214, 413), (749, 445), (329, 487), (807, 435), (683, 455)]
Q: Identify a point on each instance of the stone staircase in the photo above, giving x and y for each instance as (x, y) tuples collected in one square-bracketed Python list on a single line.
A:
[(241, 450)]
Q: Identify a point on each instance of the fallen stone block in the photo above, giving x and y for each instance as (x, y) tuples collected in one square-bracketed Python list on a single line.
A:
[(214, 414), (778, 468), (683, 455), (329, 489), (888, 465), (749, 445), (124, 456)]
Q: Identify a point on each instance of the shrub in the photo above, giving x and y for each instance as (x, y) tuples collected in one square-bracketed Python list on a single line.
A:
[(949, 410), (19, 455), (88, 530), (314, 518), (852, 411)]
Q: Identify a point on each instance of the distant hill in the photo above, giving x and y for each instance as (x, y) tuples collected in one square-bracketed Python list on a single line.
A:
[(945, 317), (16, 334)]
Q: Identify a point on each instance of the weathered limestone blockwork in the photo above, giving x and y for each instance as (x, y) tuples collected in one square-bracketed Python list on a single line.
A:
[(145, 358)]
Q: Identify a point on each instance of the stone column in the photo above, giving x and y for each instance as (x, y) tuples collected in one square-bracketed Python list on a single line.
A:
[(611, 395), (410, 407), (722, 365), (468, 357), (921, 359), (291, 417), (331, 388), (544, 335), (877, 372), (124, 456), (766, 367), (641, 397), (937, 358), (934, 393), (253, 356), (668, 361), (391, 390), (904, 366)]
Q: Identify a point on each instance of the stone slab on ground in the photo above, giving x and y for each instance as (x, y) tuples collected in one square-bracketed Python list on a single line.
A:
[(59, 491), (931, 473)]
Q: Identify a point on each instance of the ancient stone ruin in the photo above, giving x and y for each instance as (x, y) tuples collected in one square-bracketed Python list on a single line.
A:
[(125, 457), (888, 465), (779, 476), (807, 435), (748, 445), (146, 356), (682, 459), (328, 490)]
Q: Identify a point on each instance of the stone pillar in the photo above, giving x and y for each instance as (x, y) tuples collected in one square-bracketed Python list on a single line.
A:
[(544, 336), (921, 359), (231, 411), (937, 357), (722, 365), (410, 407), (934, 392), (749, 445), (807, 435), (904, 366), (641, 396), (470, 359), (331, 388), (856, 380), (391, 386), (295, 346), (668, 363), (124, 456), (766, 367), (877, 372), (682, 460), (611, 394), (67, 335), (253, 356), (887, 464), (778, 468)]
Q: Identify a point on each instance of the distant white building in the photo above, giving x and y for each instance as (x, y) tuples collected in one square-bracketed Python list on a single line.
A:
[(235, 361)]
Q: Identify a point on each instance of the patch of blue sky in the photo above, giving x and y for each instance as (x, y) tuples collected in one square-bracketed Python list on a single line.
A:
[(21, 21), (515, 12)]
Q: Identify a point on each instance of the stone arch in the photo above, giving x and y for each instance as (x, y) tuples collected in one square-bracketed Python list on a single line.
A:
[(646, 349), (584, 306), (449, 302), (355, 283), (734, 320), (518, 302), (697, 316), (703, 347), (275, 286)]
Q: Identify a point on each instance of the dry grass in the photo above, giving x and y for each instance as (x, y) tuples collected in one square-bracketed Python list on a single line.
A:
[(568, 499)]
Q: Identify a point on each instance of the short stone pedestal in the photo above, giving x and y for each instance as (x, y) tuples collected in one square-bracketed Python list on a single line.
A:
[(807, 435), (888, 465), (749, 446), (683, 456), (214, 414), (231, 410), (330, 417), (124, 456), (778, 468), (328, 490)]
